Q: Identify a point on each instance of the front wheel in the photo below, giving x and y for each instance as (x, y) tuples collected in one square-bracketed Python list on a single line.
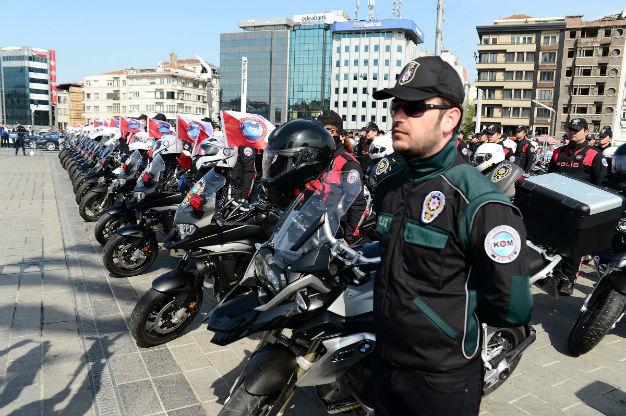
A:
[(82, 191), (91, 206), (594, 323), (242, 403), (106, 226), (157, 318), (123, 258), (50, 146)]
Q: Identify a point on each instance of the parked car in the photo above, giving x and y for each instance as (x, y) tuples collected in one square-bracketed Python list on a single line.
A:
[(48, 141)]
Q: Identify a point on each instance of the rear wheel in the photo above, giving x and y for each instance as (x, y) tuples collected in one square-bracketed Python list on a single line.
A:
[(83, 190), (90, 207), (157, 318), (50, 146), (594, 323), (242, 403), (123, 258)]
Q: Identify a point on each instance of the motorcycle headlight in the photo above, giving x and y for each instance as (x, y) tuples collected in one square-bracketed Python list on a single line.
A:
[(121, 182), (101, 180), (185, 230), (621, 225), (139, 196)]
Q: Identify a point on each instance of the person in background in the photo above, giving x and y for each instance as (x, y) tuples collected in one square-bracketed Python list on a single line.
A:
[(524, 155), (605, 139), (462, 146), (21, 139), (362, 149)]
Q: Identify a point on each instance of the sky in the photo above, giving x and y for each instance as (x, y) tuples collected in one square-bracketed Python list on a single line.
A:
[(96, 36)]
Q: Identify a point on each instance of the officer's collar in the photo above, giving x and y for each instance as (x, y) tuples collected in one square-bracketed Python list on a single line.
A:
[(576, 146), (421, 169)]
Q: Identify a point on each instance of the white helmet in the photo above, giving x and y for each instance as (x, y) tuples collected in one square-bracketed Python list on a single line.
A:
[(381, 146), (215, 152), (140, 141), (510, 144), (609, 152), (167, 145), (488, 155)]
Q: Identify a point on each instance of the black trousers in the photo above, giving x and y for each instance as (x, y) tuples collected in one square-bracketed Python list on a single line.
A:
[(402, 392), (22, 145), (570, 267)]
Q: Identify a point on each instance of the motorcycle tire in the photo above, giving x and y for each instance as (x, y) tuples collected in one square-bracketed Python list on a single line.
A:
[(77, 184), (70, 165), (88, 206), (242, 403), (76, 175), (514, 336), (593, 324), (111, 251), (82, 191), (106, 226), (71, 171), (153, 304)]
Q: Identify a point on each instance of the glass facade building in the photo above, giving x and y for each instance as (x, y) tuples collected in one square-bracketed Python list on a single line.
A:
[(267, 50), (309, 70), (25, 86)]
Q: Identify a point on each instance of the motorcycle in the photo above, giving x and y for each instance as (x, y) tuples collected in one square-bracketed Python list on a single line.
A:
[(134, 248), (220, 251), (307, 281)]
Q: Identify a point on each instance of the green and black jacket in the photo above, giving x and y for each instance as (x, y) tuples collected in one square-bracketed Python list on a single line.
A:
[(436, 282)]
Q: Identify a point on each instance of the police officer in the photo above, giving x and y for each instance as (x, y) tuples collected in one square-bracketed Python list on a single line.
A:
[(605, 139), (591, 139), (453, 255), (494, 135), (362, 153), (20, 141), (585, 163), (462, 147), (524, 155), (345, 163), (243, 173)]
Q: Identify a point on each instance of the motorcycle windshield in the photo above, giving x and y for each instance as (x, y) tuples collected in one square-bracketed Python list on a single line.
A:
[(198, 207), (132, 164), (329, 199), (149, 178)]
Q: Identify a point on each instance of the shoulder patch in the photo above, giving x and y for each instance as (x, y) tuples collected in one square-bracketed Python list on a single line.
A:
[(352, 177), (382, 166), (503, 244), (248, 151)]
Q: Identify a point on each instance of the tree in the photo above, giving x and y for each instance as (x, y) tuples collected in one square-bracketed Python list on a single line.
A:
[(469, 124)]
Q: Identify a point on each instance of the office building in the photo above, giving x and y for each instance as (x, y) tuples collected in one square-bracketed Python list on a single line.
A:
[(173, 87), (592, 75), (265, 44), (520, 60), (71, 107), (368, 56), (27, 86)]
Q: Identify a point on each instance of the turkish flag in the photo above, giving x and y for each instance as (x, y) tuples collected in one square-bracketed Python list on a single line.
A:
[(157, 128), (243, 129)]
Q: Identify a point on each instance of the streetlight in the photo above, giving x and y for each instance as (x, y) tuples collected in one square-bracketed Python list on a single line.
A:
[(552, 124), (33, 108)]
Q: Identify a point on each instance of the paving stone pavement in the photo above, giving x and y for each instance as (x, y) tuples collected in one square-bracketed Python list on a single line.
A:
[(65, 346)]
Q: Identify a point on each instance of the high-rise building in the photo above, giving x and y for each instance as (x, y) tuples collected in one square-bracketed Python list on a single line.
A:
[(310, 63), (265, 44), (174, 87), (368, 56), (519, 60), (27, 85), (593, 73)]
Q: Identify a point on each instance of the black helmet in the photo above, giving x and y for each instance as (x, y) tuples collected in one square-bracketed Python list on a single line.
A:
[(297, 152), (619, 160)]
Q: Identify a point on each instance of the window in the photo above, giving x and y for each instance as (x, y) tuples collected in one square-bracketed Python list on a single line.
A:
[(583, 90), (336, 77), (386, 77), (356, 48), (610, 92), (353, 104), (337, 64), (346, 62), (345, 90), (488, 111), (366, 62), (366, 48), (344, 104), (356, 62), (345, 76), (509, 57), (376, 48), (607, 33), (363, 118), (337, 90), (506, 112), (336, 104), (520, 57), (508, 75), (384, 118), (507, 94), (363, 104), (565, 109), (590, 32), (354, 90), (598, 107), (548, 57), (525, 112), (570, 53), (386, 62), (608, 111), (581, 110), (488, 57), (398, 62), (585, 72), (549, 40), (387, 48), (355, 77), (373, 104), (602, 69), (521, 40), (490, 93), (353, 118), (384, 104), (613, 72), (375, 76), (527, 94), (338, 49), (346, 48), (169, 95), (517, 94), (543, 112), (600, 88), (546, 76), (364, 90), (544, 95), (399, 48), (568, 72), (530, 57), (519, 75)]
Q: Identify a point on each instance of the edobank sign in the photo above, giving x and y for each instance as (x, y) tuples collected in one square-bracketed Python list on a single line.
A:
[(408, 26), (313, 18)]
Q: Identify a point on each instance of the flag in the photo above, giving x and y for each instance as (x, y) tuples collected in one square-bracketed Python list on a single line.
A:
[(192, 132), (243, 129), (112, 122), (96, 122), (131, 125), (157, 128)]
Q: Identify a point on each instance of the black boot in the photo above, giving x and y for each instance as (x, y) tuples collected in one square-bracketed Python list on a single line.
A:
[(567, 287)]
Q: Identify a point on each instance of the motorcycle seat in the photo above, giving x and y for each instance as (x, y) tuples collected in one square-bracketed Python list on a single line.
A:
[(535, 260)]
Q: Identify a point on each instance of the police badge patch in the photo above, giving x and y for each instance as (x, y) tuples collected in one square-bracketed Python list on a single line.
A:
[(433, 205), (382, 166), (579, 157), (353, 177), (501, 173), (248, 151), (408, 73), (503, 244)]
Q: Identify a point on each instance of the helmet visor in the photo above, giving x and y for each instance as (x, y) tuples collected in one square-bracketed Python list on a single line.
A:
[(279, 162)]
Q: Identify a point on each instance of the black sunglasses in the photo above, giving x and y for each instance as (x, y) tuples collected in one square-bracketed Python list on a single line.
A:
[(415, 108)]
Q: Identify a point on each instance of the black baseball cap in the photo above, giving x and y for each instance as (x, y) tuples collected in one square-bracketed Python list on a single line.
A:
[(492, 129), (590, 137), (521, 128), (577, 124), (606, 132), (423, 78), (370, 126)]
